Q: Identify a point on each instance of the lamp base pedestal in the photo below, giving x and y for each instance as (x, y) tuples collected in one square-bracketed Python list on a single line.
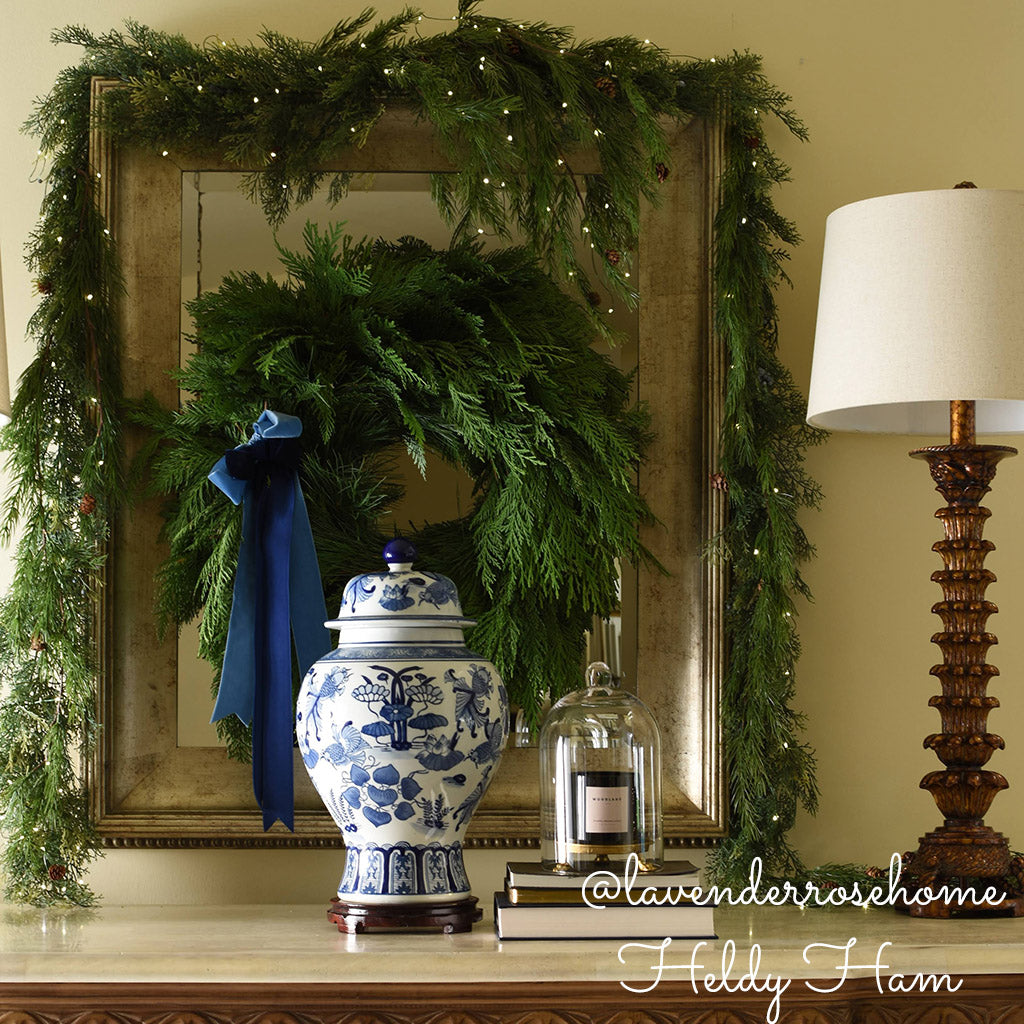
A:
[(962, 850), (964, 855), (1011, 906), (970, 858)]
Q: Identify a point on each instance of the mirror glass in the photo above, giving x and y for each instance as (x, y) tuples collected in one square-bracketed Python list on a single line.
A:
[(155, 783)]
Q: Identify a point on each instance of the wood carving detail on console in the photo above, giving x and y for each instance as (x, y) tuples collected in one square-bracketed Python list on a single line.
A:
[(840, 1012), (982, 999)]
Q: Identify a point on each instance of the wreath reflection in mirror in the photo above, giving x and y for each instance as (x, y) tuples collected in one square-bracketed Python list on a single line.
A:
[(382, 349)]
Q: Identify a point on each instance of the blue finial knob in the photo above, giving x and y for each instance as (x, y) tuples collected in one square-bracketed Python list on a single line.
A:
[(400, 553)]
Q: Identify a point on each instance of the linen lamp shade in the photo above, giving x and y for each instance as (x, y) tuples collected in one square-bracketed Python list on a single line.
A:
[(921, 303)]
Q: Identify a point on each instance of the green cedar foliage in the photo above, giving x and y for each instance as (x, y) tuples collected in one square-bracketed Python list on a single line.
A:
[(280, 107), (385, 348)]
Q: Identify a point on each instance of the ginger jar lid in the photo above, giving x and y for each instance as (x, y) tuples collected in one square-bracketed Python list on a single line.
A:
[(401, 596)]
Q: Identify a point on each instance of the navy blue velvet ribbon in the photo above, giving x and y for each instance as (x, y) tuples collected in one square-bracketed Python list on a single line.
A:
[(278, 595)]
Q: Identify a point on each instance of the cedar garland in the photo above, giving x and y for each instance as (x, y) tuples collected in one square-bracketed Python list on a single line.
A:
[(282, 106)]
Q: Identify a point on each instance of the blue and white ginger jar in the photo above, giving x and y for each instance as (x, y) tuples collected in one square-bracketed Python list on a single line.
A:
[(401, 728)]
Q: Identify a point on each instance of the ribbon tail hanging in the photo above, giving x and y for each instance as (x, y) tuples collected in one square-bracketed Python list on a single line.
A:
[(237, 687), (277, 594), (272, 724)]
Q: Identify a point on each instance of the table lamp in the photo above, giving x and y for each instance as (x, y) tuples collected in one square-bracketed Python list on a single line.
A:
[(921, 329)]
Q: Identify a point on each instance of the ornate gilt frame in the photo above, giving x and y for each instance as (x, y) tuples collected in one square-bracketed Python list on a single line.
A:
[(148, 791)]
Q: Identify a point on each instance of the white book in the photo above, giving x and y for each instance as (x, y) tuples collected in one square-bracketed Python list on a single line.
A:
[(572, 921)]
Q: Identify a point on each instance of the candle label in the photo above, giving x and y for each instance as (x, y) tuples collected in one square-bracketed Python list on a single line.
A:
[(606, 809)]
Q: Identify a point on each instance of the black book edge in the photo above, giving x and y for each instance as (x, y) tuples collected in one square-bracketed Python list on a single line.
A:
[(670, 867), (574, 898), (660, 879)]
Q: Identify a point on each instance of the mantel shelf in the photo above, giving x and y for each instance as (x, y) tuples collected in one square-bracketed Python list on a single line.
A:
[(274, 943), (224, 964)]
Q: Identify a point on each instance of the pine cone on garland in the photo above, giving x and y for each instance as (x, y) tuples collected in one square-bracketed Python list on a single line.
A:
[(513, 48), (607, 86), (44, 286), (57, 872), (718, 481), (594, 298), (37, 643), (1015, 879), (613, 256), (662, 171), (87, 505), (876, 872), (752, 141)]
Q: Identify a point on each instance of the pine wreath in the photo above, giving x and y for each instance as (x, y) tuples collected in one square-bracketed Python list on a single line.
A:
[(479, 358)]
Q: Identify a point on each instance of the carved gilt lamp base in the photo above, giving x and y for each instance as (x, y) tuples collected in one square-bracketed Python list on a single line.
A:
[(964, 852)]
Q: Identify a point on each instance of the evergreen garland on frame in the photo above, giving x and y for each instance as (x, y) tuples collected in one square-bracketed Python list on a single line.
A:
[(510, 102)]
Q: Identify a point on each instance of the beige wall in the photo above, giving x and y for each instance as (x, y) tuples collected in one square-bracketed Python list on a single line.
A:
[(901, 95)]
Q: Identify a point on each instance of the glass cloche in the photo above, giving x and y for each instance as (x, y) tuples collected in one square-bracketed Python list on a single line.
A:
[(600, 778)]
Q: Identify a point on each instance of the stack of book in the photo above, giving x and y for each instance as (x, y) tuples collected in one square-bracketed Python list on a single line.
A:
[(542, 904)]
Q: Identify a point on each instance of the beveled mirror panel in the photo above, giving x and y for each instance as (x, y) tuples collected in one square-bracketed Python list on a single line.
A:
[(150, 789), (223, 231)]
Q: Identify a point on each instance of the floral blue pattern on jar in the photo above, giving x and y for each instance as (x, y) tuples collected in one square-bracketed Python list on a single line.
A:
[(401, 728)]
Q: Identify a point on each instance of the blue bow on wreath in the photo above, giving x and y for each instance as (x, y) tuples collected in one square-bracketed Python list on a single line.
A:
[(277, 595)]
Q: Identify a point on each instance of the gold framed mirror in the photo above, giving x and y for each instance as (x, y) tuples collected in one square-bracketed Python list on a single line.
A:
[(149, 789)]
